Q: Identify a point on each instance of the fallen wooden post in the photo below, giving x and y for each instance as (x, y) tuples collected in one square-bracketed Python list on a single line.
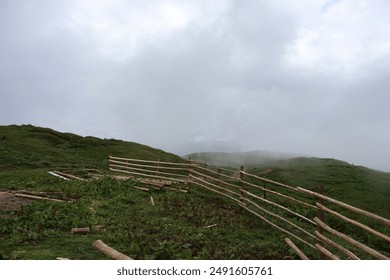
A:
[(210, 226), (59, 176), (152, 201), (69, 176), (107, 250), (83, 231), (39, 197)]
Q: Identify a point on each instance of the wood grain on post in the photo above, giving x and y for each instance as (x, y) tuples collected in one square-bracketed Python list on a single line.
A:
[(377, 233), (337, 246), (84, 230), (347, 206), (276, 226), (39, 197), (107, 250), (325, 252), (352, 241), (296, 249)]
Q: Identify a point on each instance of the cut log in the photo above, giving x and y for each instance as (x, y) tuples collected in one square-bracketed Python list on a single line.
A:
[(62, 259), (210, 226), (301, 255), (85, 230), (69, 176), (152, 201), (56, 175), (39, 197), (107, 250)]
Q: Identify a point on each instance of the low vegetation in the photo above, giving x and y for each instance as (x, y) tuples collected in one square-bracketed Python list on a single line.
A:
[(193, 225)]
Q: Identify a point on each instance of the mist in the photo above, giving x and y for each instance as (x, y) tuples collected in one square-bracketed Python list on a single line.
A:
[(302, 77)]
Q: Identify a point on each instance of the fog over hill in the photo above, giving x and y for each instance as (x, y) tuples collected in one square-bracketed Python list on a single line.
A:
[(241, 158)]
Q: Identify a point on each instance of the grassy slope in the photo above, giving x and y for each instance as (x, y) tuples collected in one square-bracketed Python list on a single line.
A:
[(359, 186), (170, 230), (35, 147)]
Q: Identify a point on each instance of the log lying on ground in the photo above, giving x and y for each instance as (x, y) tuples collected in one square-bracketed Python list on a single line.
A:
[(152, 201), (210, 226), (69, 176), (40, 197), (85, 230), (107, 250), (62, 259), (59, 176)]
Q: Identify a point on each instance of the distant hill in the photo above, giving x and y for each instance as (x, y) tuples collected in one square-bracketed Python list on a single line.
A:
[(28, 146), (252, 158), (357, 185)]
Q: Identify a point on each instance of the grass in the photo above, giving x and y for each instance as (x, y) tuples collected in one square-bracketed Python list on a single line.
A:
[(174, 227)]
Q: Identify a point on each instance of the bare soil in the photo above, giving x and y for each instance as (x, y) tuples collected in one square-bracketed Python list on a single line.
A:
[(10, 202)]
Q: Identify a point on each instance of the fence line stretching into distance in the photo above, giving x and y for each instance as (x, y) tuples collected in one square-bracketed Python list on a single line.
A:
[(296, 211)]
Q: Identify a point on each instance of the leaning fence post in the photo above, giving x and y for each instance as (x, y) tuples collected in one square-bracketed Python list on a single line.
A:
[(241, 180), (321, 217), (190, 170), (158, 166), (219, 176)]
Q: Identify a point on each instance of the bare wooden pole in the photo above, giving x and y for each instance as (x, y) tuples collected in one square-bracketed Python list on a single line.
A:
[(278, 194), (40, 197), (301, 255), (276, 226), (337, 246), (107, 250), (347, 206), (148, 161), (327, 253), (280, 218), (352, 241), (70, 176), (379, 234), (82, 231), (281, 207)]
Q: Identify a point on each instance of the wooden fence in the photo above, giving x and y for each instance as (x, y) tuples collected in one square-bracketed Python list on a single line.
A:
[(296, 211)]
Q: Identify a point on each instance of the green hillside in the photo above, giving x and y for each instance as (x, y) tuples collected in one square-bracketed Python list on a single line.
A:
[(360, 186), (28, 146), (195, 225)]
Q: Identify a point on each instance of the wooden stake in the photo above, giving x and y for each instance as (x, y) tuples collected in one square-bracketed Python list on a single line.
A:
[(210, 226), (352, 241), (82, 231), (347, 206), (296, 249), (377, 233), (107, 250), (337, 246), (325, 252), (39, 197)]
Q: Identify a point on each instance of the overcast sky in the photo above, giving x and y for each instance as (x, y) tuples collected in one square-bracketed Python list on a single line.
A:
[(308, 77)]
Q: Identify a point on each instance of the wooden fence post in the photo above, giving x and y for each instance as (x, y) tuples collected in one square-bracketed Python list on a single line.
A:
[(321, 217), (205, 166), (219, 176), (241, 181), (158, 166), (189, 170)]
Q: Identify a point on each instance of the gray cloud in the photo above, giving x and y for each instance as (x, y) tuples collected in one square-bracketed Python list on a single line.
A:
[(307, 77)]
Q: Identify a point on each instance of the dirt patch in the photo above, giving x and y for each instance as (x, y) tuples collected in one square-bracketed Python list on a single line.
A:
[(10, 202)]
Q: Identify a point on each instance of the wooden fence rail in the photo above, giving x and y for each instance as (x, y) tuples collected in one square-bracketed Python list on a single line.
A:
[(254, 194)]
